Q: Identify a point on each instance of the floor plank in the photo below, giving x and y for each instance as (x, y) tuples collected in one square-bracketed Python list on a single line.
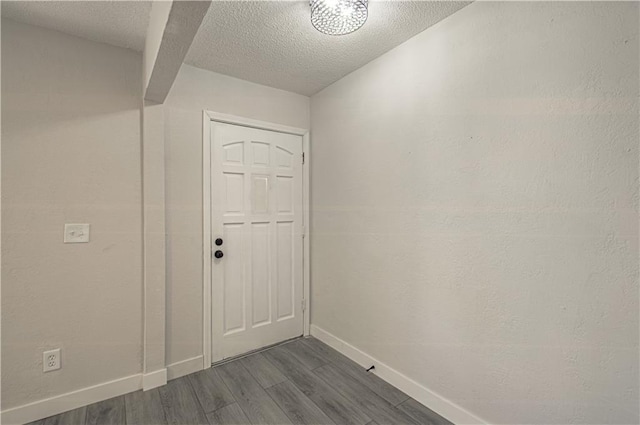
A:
[(231, 414), (334, 405), (368, 379), (77, 416), (144, 407), (422, 414), (180, 403), (210, 390), (308, 357), (296, 405), (376, 407), (304, 382), (263, 370), (252, 398), (107, 412)]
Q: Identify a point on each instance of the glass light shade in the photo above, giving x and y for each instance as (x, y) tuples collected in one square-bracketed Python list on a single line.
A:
[(338, 17)]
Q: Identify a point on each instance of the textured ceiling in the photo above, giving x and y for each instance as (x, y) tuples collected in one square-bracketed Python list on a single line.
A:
[(120, 23), (273, 42), (267, 42)]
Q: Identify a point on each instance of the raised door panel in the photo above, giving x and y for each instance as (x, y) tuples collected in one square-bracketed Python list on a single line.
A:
[(284, 157), (260, 274), (233, 153), (285, 194), (260, 193), (233, 193), (285, 270), (233, 279), (261, 153)]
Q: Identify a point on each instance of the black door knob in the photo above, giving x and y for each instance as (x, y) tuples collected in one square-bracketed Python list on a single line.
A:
[(218, 241), (218, 254)]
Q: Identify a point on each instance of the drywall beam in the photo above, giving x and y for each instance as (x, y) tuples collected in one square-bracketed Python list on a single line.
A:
[(172, 28), (154, 236)]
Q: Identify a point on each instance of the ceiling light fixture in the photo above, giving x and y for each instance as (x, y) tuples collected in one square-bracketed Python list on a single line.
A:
[(338, 17)]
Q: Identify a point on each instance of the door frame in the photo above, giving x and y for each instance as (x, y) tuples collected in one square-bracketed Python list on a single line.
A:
[(207, 118)]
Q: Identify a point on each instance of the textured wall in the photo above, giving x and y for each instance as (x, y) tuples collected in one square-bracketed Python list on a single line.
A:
[(475, 210), (194, 91), (70, 153)]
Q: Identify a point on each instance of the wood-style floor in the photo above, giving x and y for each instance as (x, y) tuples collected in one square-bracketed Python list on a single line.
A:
[(301, 382)]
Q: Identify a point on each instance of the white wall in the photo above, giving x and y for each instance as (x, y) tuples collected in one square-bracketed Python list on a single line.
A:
[(194, 91), (70, 153), (475, 210)]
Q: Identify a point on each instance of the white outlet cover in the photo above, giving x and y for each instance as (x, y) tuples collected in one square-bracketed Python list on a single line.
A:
[(76, 233), (51, 360)]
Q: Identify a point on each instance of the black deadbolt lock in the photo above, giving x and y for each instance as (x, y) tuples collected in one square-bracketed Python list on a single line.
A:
[(218, 241), (218, 254)]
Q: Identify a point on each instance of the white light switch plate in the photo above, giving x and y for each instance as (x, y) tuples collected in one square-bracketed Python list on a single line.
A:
[(76, 233)]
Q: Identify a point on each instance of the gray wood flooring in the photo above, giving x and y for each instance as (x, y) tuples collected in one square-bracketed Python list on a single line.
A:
[(301, 382)]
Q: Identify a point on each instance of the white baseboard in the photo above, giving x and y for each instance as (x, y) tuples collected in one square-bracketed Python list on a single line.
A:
[(154, 379), (184, 367), (69, 401), (432, 400)]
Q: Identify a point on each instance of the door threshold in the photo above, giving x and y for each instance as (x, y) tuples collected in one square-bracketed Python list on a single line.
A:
[(256, 351)]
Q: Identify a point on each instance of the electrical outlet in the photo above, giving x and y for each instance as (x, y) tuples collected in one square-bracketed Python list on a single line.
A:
[(51, 360)]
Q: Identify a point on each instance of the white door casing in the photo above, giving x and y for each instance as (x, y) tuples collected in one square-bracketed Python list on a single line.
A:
[(257, 210)]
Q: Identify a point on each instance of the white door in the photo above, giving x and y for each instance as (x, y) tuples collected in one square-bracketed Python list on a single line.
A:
[(256, 207)]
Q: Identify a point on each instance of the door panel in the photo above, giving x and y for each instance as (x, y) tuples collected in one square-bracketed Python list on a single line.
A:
[(233, 279), (285, 270), (234, 191), (260, 274), (256, 208)]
